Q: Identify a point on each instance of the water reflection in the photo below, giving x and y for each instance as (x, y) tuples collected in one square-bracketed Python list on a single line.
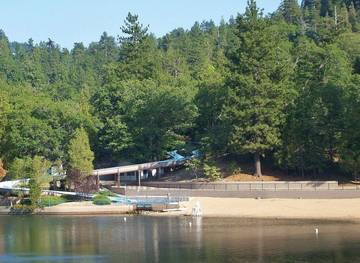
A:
[(148, 239)]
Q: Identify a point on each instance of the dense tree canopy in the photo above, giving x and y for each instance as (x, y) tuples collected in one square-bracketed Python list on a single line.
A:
[(283, 87)]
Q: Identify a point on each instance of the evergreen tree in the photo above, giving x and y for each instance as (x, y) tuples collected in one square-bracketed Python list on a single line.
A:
[(80, 164), (311, 138), (38, 176), (350, 147), (354, 18), (4, 111), (9, 70), (102, 53), (80, 155), (291, 12), (139, 57), (257, 87)]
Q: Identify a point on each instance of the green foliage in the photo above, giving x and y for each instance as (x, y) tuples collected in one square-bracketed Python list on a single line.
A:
[(4, 110), (169, 114), (80, 163), (80, 155), (101, 200), (9, 69), (46, 201), (138, 53), (290, 11), (194, 166), (20, 168), (106, 192), (234, 168), (35, 169), (127, 105), (212, 172), (259, 86), (349, 148), (38, 177), (281, 86)]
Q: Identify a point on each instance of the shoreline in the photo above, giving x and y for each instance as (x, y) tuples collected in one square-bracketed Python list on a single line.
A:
[(79, 208), (344, 210)]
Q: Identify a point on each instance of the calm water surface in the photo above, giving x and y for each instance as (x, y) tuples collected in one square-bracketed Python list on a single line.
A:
[(151, 239)]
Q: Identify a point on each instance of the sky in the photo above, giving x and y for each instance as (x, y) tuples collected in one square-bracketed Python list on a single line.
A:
[(70, 21)]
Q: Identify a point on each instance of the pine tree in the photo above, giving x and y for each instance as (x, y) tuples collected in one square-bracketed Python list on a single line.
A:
[(139, 55), (354, 18), (4, 110), (80, 164), (291, 11), (350, 146), (9, 69), (38, 176), (342, 22), (80, 155), (312, 4), (311, 15), (326, 8), (257, 87)]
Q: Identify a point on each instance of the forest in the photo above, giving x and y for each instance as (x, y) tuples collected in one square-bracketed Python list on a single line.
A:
[(281, 88)]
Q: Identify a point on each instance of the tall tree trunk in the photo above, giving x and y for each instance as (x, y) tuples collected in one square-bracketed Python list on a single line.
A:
[(257, 163)]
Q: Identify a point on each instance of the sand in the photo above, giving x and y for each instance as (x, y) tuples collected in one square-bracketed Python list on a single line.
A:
[(323, 209)]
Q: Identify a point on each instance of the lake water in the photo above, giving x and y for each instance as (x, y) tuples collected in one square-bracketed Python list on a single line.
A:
[(162, 239)]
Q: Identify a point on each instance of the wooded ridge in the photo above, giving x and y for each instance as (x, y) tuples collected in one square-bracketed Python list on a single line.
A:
[(284, 87)]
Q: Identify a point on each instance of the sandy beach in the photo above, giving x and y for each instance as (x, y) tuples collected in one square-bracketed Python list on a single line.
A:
[(323, 209)]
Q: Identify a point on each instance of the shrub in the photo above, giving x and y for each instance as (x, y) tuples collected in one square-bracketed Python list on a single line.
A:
[(234, 168), (101, 200), (51, 200), (106, 192), (25, 201), (194, 166), (211, 172)]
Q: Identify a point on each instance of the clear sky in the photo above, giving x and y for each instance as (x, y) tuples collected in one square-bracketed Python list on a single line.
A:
[(69, 21)]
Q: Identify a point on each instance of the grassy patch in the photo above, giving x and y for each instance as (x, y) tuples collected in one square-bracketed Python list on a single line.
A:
[(106, 192), (101, 200), (48, 200)]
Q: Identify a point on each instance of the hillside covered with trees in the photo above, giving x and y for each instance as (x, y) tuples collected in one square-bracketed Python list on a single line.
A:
[(283, 87)]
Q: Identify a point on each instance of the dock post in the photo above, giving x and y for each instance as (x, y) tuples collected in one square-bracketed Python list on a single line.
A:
[(161, 171), (118, 183), (140, 173), (98, 181)]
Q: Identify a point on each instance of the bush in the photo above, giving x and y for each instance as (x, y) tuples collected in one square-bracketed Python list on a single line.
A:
[(234, 168), (211, 172), (106, 192), (101, 200), (194, 166), (25, 201), (51, 200)]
